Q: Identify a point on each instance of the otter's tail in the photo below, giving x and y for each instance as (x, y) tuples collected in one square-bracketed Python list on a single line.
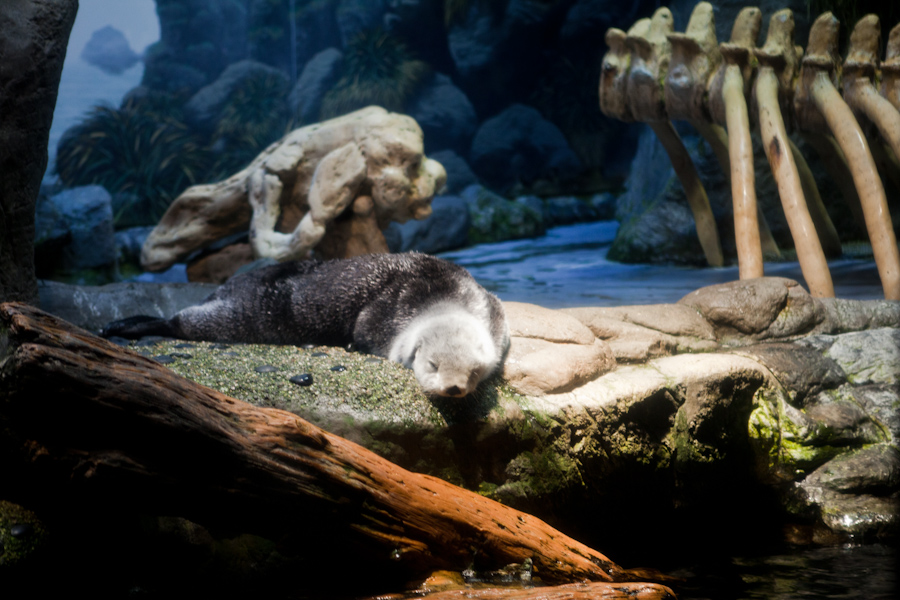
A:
[(133, 328)]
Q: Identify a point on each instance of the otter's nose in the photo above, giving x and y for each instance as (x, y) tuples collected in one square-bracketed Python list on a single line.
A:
[(454, 390)]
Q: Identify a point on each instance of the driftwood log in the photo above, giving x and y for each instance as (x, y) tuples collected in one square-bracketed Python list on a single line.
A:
[(84, 420)]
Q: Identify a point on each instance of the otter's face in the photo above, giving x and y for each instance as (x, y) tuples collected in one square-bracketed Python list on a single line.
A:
[(452, 354), (450, 374)]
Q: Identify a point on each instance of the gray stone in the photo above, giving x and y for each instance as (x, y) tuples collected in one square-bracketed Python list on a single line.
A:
[(204, 108), (843, 315), (88, 212), (446, 229), (495, 218), (841, 420), (519, 145), (109, 50), (868, 356), (803, 371), (766, 307), (92, 307), (316, 27), (604, 206), (881, 403), (198, 39), (494, 51), (459, 174), (318, 76), (129, 242), (33, 47), (445, 115)]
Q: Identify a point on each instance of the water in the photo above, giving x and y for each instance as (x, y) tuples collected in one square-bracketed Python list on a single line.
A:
[(568, 267), (846, 572)]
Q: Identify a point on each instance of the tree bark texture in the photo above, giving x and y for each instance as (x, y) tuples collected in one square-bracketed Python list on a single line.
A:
[(83, 419), (33, 39)]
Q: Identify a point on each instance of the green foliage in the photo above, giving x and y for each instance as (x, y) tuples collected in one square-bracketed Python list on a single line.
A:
[(377, 69), (146, 149), (139, 149), (255, 115)]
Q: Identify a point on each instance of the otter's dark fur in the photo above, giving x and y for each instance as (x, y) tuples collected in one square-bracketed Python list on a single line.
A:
[(421, 311)]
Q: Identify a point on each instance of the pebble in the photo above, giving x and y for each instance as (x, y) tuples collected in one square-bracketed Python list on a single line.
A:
[(164, 359), (338, 368), (266, 369), (303, 380)]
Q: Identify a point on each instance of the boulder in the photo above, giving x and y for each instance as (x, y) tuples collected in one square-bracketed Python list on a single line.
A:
[(318, 76), (316, 27), (198, 40), (109, 50), (459, 174), (33, 47), (551, 352), (494, 49), (767, 307), (445, 115), (87, 211), (520, 146), (92, 307), (204, 108), (446, 229), (495, 218)]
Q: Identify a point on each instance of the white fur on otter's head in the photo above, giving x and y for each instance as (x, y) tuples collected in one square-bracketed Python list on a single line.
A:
[(449, 349)]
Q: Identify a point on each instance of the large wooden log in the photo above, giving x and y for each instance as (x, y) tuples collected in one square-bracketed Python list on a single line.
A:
[(84, 419)]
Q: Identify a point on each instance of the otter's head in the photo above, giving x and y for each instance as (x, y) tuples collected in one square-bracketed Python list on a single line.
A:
[(450, 352)]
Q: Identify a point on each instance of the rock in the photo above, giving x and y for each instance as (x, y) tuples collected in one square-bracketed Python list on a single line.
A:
[(804, 372), (459, 174), (367, 166), (88, 212), (129, 243), (519, 145), (318, 76), (494, 50), (446, 229), (445, 115), (109, 50), (33, 47), (495, 218), (843, 315), (204, 108), (767, 307), (604, 206), (639, 333), (92, 307), (220, 266), (535, 366), (317, 29), (565, 210), (656, 223), (355, 16), (550, 351), (532, 321), (849, 490), (868, 357), (198, 40)]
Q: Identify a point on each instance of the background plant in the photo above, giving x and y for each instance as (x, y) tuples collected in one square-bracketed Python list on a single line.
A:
[(378, 69)]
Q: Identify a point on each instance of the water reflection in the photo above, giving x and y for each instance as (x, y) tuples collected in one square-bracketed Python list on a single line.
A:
[(821, 573), (568, 267)]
